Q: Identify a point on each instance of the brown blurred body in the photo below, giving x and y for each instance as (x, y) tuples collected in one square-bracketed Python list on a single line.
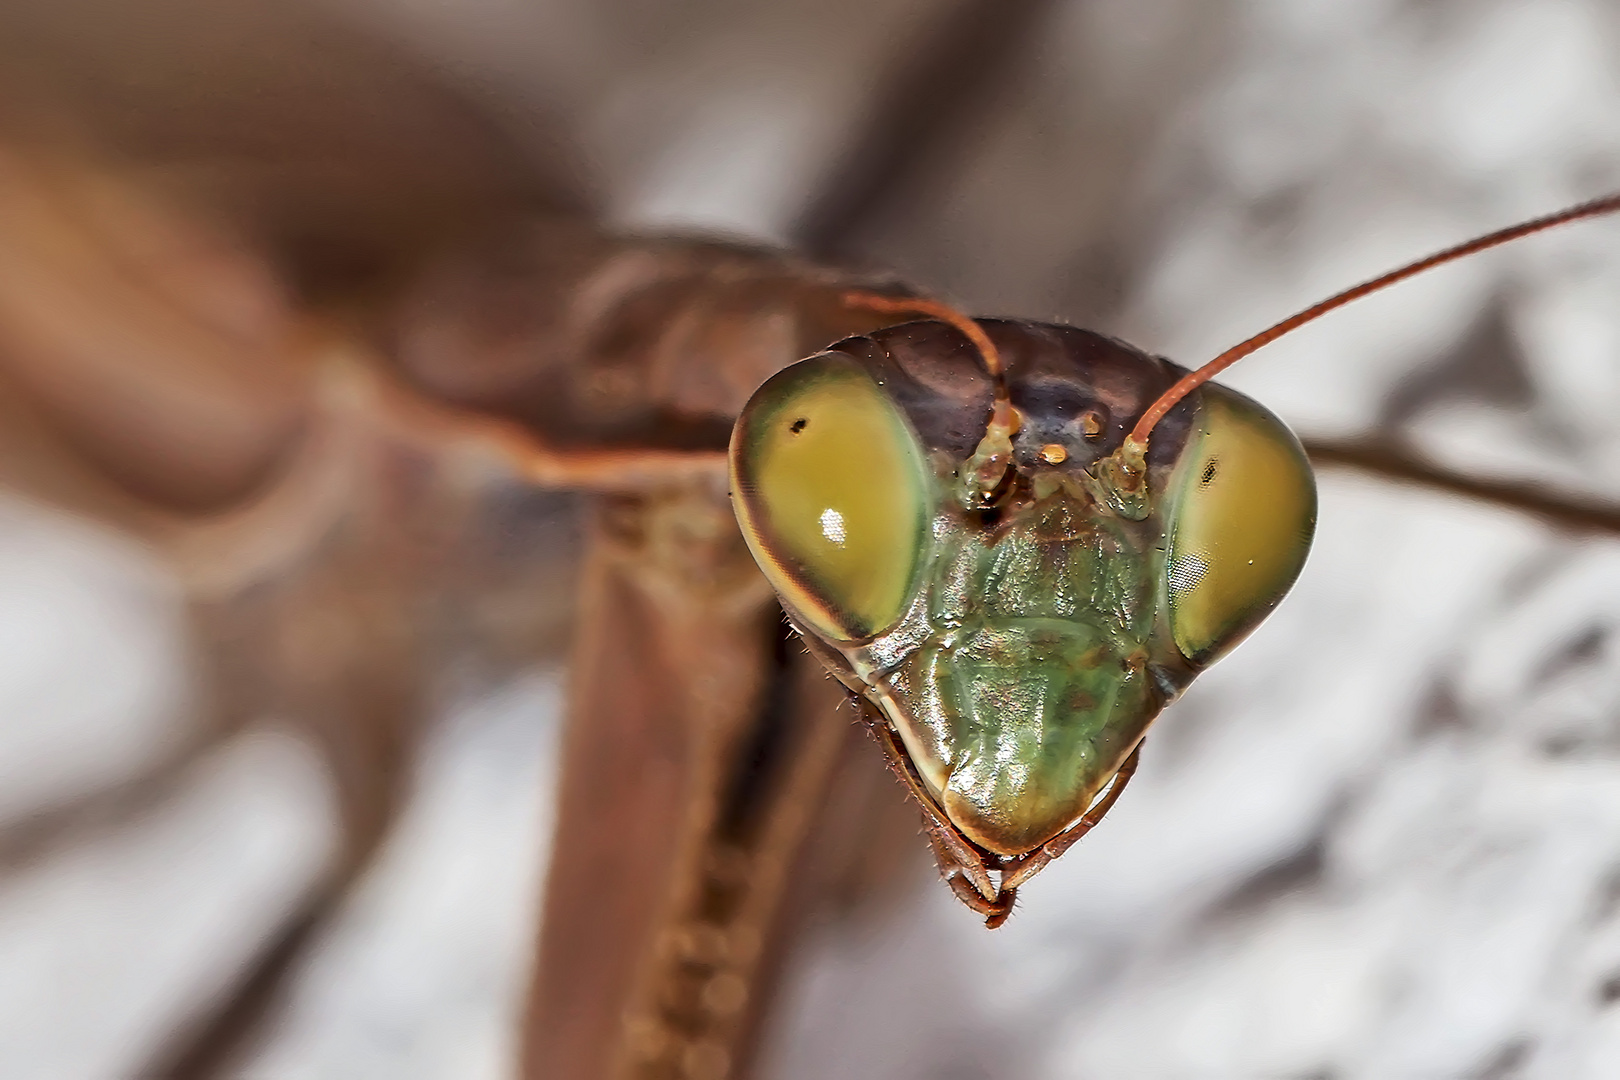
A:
[(310, 382)]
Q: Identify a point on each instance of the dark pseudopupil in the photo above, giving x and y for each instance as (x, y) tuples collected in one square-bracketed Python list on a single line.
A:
[(1241, 524), (832, 496)]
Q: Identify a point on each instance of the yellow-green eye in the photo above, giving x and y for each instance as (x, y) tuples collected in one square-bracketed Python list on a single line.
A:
[(832, 491), (1243, 510)]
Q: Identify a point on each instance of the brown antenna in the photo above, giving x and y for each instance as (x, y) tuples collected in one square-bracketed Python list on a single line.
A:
[(1608, 204), (917, 305)]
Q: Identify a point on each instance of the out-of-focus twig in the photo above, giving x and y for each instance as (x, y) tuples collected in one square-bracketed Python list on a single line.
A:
[(210, 1045), (1562, 509), (962, 59)]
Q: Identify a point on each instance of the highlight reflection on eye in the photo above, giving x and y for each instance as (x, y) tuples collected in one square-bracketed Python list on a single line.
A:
[(832, 526), (1186, 571), (832, 493)]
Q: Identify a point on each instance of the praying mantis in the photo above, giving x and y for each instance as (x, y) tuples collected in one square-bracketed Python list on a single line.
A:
[(806, 448), (638, 531)]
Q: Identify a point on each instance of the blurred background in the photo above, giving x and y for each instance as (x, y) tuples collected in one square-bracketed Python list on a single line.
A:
[(281, 671)]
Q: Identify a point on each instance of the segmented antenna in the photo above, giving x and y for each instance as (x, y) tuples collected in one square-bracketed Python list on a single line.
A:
[(1608, 204)]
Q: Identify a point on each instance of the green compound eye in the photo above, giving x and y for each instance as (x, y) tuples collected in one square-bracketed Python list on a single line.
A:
[(1243, 511), (831, 489)]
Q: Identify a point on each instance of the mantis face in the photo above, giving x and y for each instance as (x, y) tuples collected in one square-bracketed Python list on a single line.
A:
[(1015, 619)]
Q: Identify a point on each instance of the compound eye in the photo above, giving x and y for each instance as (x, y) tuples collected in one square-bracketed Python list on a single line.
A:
[(832, 491), (1243, 509)]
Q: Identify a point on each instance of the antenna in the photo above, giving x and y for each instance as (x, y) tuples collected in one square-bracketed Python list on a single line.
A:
[(917, 305), (1608, 204)]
